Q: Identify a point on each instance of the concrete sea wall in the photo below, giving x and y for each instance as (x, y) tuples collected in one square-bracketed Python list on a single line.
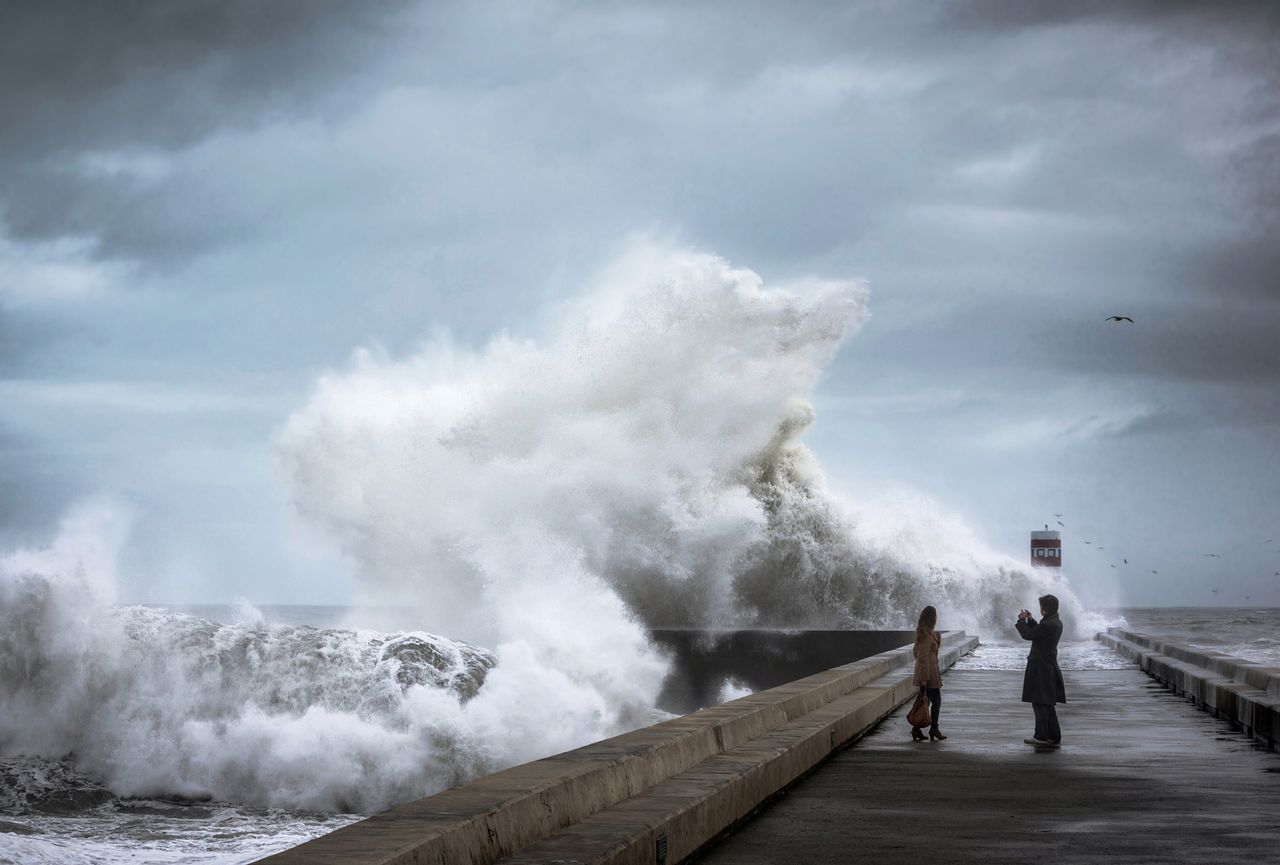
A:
[(652, 796), (757, 659), (1243, 692)]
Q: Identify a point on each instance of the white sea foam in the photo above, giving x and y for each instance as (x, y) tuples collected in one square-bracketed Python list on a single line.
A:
[(648, 444), (638, 465), (157, 703)]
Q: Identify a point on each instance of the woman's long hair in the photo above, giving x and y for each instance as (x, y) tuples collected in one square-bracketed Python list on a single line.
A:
[(927, 621)]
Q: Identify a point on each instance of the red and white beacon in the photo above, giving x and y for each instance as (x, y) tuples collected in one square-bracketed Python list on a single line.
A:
[(1046, 549)]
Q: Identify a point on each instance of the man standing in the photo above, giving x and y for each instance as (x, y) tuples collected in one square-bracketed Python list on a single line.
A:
[(1042, 685)]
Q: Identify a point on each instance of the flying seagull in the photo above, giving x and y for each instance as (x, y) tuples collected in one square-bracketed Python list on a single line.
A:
[(1113, 566), (1120, 318), (1126, 561), (1154, 571), (1212, 555), (1088, 542), (1059, 515), (1061, 524)]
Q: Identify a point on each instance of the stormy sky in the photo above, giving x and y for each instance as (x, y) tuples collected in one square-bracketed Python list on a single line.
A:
[(203, 205)]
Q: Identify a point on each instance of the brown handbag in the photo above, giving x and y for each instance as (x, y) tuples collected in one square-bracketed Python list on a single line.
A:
[(919, 714)]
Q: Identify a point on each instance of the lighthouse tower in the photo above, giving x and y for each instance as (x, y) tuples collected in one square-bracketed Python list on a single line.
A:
[(1046, 549)]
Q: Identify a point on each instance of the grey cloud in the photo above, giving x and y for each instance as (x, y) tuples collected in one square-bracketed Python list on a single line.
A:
[(1004, 181), (36, 485), (1015, 14), (1213, 345), (80, 78), (31, 340), (80, 74), (126, 218), (1246, 268)]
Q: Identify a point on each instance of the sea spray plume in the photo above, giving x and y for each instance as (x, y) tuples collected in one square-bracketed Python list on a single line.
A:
[(157, 703), (973, 586), (58, 637), (651, 437), (625, 436)]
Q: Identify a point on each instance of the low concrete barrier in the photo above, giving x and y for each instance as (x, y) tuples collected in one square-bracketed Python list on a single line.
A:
[(756, 659), (653, 795), (1241, 691)]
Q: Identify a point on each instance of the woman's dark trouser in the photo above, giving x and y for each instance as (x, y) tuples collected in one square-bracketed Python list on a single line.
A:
[(935, 703), (1047, 722)]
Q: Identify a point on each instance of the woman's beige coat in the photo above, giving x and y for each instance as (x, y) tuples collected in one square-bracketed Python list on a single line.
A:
[(926, 654)]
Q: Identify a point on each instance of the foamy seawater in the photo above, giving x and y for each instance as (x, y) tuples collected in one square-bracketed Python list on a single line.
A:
[(1252, 634), (1071, 656)]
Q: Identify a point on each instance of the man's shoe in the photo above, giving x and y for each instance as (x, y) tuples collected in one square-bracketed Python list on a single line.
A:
[(1039, 743)]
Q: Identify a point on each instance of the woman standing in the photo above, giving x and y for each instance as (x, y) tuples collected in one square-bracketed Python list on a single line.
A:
[(927, 674)]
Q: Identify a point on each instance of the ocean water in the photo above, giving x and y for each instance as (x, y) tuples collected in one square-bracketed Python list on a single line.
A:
[(52, 811), (1249, 633), (517, 516)]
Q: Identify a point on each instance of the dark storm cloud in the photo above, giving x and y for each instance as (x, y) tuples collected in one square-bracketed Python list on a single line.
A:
[(1005, 175), (1246, 267), (83, 78), (1013, 14), (1212, 346)]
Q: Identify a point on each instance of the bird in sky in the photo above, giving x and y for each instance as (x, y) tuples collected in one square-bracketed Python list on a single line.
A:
[(1120, 318), (1126, 561), (1212, 556), (1154, 571), (1102, 548), (1061, 524), (1059, 515), (1088, 542), (1215, 591), (1113, 566)]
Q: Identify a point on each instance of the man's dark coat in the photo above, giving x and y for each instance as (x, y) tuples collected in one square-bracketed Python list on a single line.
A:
[(1042, 682)]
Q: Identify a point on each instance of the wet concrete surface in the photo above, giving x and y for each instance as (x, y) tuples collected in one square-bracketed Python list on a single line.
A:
[(1142, 777)]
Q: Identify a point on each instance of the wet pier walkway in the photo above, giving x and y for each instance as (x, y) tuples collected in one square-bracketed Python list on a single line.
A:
[(1143, 777)]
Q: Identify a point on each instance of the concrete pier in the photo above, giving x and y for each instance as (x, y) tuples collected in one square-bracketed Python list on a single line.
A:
[(822, 770), (1243, 692), (652, 796), (1143, 777)]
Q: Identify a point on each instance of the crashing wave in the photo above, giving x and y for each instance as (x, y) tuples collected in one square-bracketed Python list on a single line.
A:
[(638, 466)]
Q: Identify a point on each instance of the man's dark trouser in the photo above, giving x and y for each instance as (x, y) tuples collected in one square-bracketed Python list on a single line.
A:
[(1047, 722)]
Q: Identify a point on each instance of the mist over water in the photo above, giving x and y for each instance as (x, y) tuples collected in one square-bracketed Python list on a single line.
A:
[(543, 502)]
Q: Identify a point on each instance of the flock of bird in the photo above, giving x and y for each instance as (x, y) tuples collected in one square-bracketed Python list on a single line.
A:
[(1125, 559), (1120, 319)]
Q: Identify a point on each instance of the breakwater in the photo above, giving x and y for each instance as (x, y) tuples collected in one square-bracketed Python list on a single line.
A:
[(1245, 693), (656, 794), (704, 661)]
